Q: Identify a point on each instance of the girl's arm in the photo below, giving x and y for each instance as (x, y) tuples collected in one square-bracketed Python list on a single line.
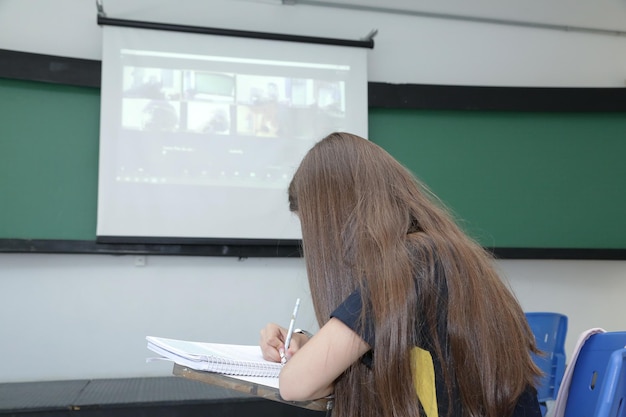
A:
[(311, 371)]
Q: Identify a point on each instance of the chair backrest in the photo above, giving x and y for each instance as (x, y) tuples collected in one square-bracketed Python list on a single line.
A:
[(550, 330), (590, 373), (612, 395)]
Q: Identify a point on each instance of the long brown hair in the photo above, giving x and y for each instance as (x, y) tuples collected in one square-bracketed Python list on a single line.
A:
[(369, 224)]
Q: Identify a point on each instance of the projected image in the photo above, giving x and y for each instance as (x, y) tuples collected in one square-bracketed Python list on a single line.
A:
[(208, 97), (157, 99), (150, 115), (152, 83), (191, 125), (208, 118), (260, 99), (288, 107), (202, 85), (151, 99)]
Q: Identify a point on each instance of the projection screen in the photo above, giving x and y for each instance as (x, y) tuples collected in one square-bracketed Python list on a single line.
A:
[(201, 134)]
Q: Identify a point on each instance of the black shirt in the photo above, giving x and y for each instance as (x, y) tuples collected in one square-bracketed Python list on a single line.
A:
[(349, 312)]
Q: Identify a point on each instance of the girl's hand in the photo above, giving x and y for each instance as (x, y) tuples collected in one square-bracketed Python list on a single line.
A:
[(272, 342)]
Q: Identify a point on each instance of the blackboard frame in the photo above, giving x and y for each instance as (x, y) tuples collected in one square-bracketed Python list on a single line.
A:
[(86, 73)]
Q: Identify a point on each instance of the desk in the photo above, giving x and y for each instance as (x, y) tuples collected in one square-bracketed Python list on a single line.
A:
[(258, 390)]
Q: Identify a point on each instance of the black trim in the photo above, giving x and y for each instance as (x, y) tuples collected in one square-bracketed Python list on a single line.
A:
[(50, 68), (92, 247), (368, 43), (539, 99), (203, 244), (166, 240), (559, 253), (265, 251)]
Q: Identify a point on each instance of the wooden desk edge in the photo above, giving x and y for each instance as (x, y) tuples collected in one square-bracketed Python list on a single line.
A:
[(258, 390)]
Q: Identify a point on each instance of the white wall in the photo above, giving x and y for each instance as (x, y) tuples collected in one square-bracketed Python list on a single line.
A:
[(408, 49), (86, 316)]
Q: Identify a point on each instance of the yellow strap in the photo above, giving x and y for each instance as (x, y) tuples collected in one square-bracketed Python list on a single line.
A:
[(424, 380)]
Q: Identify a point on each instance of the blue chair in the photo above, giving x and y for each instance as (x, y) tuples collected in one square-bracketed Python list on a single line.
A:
[(550, 330), (612, 395), (589, 377)]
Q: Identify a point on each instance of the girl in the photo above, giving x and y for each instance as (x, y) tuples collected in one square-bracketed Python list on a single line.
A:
[(414, 320)]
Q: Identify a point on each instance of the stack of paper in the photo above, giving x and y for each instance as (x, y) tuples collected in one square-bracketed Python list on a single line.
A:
[(241, 360)]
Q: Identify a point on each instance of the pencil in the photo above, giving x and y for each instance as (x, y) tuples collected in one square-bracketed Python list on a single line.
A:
[(292, 324)]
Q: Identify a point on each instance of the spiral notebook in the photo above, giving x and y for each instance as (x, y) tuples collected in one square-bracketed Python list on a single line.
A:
[(237, 360)]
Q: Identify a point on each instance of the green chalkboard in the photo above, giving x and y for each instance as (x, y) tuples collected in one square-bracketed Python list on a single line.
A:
[(48, 160), (518, 179), (512, 179)]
